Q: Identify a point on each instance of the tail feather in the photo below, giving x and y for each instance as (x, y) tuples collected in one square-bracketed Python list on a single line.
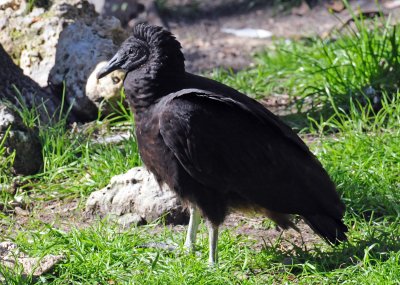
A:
[(331, 229)]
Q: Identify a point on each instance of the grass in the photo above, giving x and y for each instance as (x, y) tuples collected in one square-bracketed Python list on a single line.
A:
[(361, 157), (365, 150), (6, 160), (359, 63), (357, 144), (74, 164)]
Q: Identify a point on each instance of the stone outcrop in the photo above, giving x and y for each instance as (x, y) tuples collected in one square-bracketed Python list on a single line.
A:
[(108, 88), (136, 198), (11, 256), (22, 91), (81, 47), (61, 44)]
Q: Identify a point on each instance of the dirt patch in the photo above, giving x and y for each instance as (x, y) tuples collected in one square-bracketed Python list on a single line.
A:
[(63, 214), (200, 28), (69, 214), (260, 231), (267, 235)]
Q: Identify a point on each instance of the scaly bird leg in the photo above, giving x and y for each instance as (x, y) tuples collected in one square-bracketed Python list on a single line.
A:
[(213, 242), (192, 228)]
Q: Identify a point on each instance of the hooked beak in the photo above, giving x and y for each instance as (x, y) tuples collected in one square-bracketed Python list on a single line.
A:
[(113, 64)]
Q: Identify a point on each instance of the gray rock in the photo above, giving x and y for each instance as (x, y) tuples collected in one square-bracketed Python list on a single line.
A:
[(24, 141), (62, 44), (81, 41), (11, 257), (136, 198), (21, 90), (31, 41)]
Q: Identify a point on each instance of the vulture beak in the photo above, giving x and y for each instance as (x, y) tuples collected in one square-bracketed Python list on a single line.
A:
[(114, 64)]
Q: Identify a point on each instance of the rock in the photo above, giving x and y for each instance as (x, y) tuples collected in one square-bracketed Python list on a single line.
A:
[(336, 6), (13, 4), (136, 198), (391, 4), (95, 42), (78, 41), (11, 257), (19, 89), (31, 41), (21, 139), (110, 86), (62, 44), (105, 93)]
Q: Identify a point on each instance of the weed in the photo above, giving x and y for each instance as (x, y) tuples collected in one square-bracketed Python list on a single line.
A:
[(360, 63)]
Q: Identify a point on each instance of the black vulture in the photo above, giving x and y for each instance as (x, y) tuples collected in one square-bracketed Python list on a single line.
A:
[(218, 149)]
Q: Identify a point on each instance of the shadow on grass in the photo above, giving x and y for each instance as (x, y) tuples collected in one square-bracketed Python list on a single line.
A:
[(368, 244), (297, 121), (370, 203)]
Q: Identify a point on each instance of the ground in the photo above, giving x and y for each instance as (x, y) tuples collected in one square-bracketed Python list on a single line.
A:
[(206, 47)]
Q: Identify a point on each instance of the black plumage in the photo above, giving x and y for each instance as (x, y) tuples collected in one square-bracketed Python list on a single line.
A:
[(217, 148)]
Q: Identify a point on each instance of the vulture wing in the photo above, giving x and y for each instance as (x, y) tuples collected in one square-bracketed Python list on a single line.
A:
[(264, 161)]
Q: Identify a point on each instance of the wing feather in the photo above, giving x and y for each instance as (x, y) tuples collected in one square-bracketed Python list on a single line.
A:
[(226, 147)]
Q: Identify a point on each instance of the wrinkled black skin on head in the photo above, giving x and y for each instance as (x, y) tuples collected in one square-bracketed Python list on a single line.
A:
[(147, 45), (130, 56), (133, 53)]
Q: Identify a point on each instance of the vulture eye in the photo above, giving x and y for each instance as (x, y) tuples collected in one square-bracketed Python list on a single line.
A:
[(131, 50)]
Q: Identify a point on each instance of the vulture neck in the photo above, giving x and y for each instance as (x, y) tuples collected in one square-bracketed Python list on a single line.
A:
[(146, 86)]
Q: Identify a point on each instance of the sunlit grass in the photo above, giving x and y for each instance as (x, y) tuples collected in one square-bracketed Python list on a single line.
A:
[(357, 144), (360, 62), (358, 148)]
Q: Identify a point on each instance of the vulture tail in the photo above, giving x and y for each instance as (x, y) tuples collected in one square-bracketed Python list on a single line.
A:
[(330, 229)]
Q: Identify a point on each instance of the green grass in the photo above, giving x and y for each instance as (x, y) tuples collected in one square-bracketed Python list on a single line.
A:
[(359, 149), (6, 161), (74, 163), (357, 144), (359, 63), (102, 254), (364, 156)]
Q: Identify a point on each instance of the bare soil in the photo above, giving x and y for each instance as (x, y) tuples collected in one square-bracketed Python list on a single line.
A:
[(206, 46)]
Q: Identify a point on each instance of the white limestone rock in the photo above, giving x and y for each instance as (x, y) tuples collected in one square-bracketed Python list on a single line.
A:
[(11, 257), (62, 44), (136, 198)]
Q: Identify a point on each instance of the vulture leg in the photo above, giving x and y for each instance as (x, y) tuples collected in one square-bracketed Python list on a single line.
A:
[(192, 228), (213, 241)]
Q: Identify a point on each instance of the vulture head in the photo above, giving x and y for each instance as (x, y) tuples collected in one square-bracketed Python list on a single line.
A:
[(150, 49)]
